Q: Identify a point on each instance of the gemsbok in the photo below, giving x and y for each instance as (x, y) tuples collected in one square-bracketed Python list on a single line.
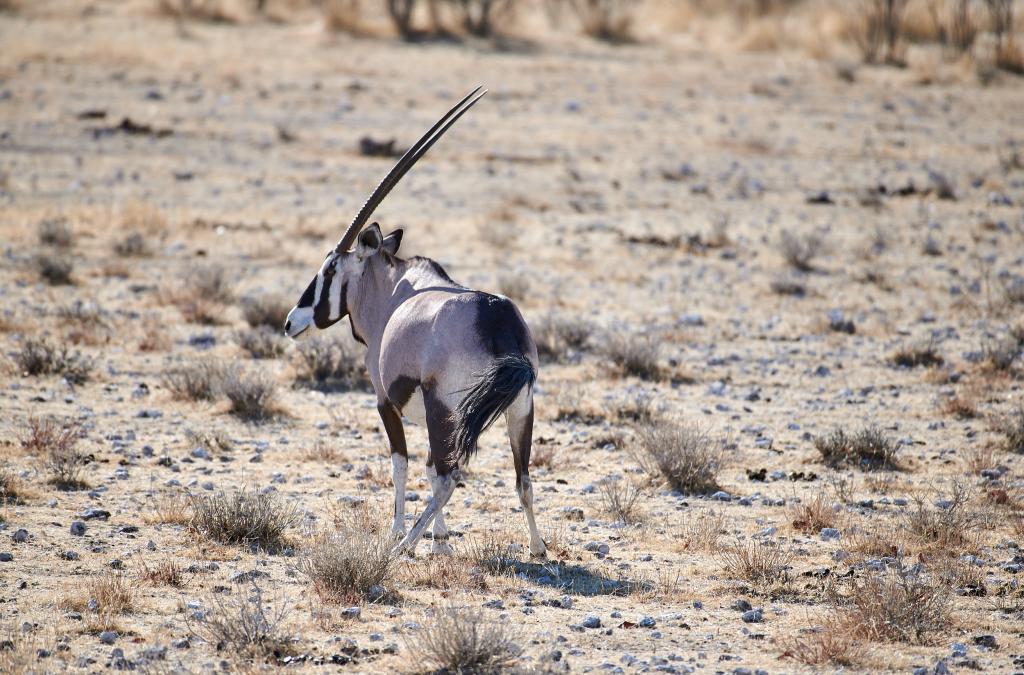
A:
[(441, 354)]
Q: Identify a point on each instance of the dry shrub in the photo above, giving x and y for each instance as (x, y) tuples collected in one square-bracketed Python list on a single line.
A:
[(979, 458), (918, 354), (349, 565), (40, 357), (200, 380), (814, 514), (1012, 429), (789, 286), (619, 499), (163, 573), (608, 20), (54, 445), (952, 525), (212, 11), (699, 531), (901, 604), (829, 643), (55, 268), (133, 245), (961, 406), (252, 394), (684, 456), (634, 355), (492, 552), (544, 456), (477, 16), (878, 25), (245, 625), (56, 232), (465, 640), (203, 294), (139, 216), (12, 489), (321, 451), (1000, 353), (342, 16), (514, 285), (762, 563), (800, 250), (561, 338), (401, 12), (330, 362), (269, 309), (214, 441), (19, 648), (955, 23), (247, 516), (876, 540), (262, 342), (870, 449)]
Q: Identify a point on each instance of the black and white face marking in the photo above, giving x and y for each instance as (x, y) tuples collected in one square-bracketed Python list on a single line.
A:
[(323, 302)]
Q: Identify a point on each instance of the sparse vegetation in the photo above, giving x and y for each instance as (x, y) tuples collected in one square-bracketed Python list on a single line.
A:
[(620, 500), (346, 566), (55, 446), (514, 285), (634, 355), (261, 343), (900, 604), (464, 640), (252, 394), (918, 354), (200, 380), (811, 515), (948, 525), (162, 573), (55, 268), (608, 20), (829, 643), (869, 449), (683, 456), (56, 232), (330, 362), (1012, 429), (759, 562), (267, 310), (41, 357), (560, 338), (107, 594), (133, 245), (342, 16), (800, 250), (246, 624), (878, 30), (246, 516)]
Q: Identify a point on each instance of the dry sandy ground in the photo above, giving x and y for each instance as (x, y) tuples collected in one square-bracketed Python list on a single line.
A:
[(645, 189)]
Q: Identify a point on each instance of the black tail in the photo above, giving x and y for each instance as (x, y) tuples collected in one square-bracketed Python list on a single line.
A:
[(495, 390)]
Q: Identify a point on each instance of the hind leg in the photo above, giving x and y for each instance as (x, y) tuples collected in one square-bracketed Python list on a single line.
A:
[(399, 463), (520, 435), (443, 468), (439, 545)]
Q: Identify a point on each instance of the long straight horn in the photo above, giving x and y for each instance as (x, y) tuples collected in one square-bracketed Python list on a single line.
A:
[(406, 163)]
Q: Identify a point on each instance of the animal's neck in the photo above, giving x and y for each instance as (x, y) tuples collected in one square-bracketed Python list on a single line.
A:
[(386, 285)]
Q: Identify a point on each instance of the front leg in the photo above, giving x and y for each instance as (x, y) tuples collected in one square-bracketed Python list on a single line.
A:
[(399, 463)]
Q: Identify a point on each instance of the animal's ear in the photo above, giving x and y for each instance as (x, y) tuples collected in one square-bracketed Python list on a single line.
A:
[(369, 241), (392, 242)]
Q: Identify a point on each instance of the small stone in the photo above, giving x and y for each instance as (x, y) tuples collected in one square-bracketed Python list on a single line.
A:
[(741, 605), (6, 557), (20, 535), (829, 533), (351, 613), (986, 641), (183, 643), (78, 528), (721, 496), (647, 622), (591, 621), (70, 555), (753, 616), (108, 637)]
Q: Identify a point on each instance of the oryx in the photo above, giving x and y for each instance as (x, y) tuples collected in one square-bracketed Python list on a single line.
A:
[(437, 352)]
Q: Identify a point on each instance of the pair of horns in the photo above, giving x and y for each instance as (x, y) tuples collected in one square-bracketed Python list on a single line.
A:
[(404, 164)]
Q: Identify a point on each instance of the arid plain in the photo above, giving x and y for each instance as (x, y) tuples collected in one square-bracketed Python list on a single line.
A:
[(763, 246)]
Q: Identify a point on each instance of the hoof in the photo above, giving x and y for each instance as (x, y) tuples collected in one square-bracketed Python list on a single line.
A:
[(398, 534), (539, 553), (441, 548)]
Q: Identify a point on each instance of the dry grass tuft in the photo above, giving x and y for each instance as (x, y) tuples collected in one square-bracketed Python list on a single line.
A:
[(561, 338), (163, 573), (919, 354), (607, 20), (331, 363), (949, 525), (812, 515), (514, 285), (269, 309), (12, 489), (684, 456), (1012, 429), (200, 380), (54, 444), (878, 26), (799, 251), (901, 604), (349, 565), (19, 649), (620, 498), (133, 245), (107, 596), (252, 394), (634, 355), (700, 531), (464, 640), (247, 517), (40, 357), (246, 625), (870, 449), (169, 508), (321, 451), (762, 563), (210, 11), (56, 232), (55, 268), (262, 343), (829, 643), (961, 406)]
